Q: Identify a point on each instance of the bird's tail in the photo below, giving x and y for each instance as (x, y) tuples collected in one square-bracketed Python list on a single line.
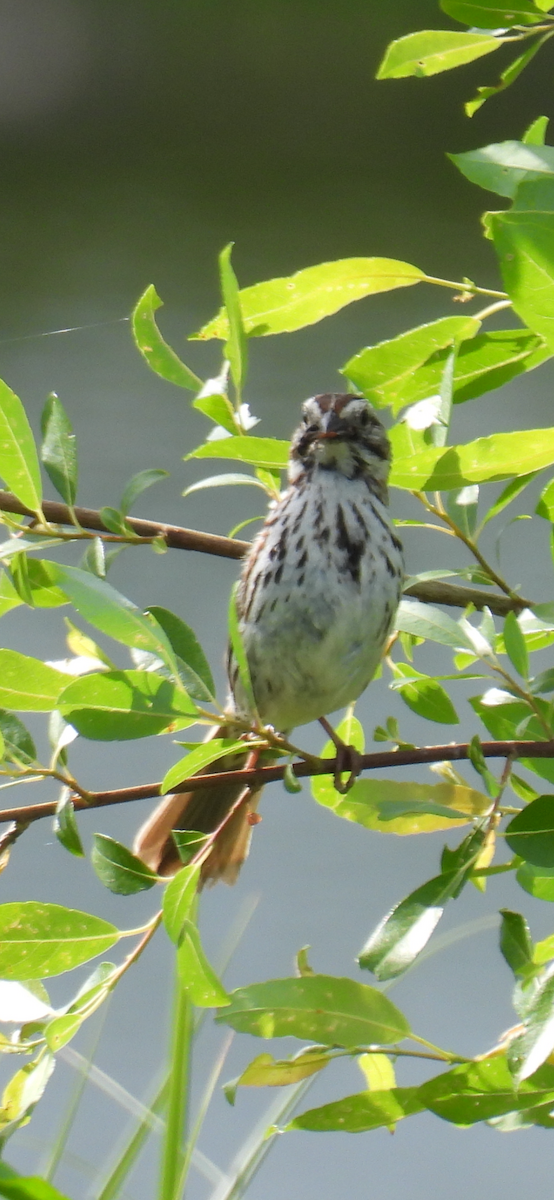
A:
[(203, 810)]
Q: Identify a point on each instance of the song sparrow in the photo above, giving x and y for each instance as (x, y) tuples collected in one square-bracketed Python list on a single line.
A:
[(316, 601)]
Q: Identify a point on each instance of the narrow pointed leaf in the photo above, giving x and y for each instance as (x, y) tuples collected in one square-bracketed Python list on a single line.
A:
[(288, 303), (185, 645), (137, 485), (178, 899), (195, 762), (159, 356), (19, 465), (500, 456), (65, 825), (59, 450), (524, 243), (236, 348), (528, 1051), (515, 941), (402, 935), (489, 14), (260, 452), (196, 973)]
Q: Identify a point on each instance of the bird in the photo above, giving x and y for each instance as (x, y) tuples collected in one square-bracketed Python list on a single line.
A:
[(316, 603)]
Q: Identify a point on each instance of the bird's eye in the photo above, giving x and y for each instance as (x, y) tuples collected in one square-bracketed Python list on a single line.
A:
[(312, 428)]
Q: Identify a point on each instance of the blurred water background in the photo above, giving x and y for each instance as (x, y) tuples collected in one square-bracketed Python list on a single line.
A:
[(137, 139)]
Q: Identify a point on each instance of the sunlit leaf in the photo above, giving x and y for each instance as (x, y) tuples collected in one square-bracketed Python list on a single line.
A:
[(499, 456), (27, 684), (361, 1112), (384, 372), (178, 899), (489, 14), (507, 77), (236, 347), (524, 243), (288, 303), (424, 695), (159, 356), (430, 51), (38, 940), (515, 941), (261, 452), (479, 1091), (19, 465), (402, 935), (193, 763), (120, 705), (188, 650), (530, 1049), (503, 166)]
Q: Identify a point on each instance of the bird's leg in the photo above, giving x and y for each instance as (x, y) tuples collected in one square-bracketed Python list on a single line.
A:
[(348, 759)]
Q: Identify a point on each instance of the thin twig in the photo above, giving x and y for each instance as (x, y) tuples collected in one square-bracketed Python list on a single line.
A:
[(177, 537), (259, 776)]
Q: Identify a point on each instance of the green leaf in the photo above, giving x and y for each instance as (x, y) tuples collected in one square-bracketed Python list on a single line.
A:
[(261, 452), (323, 1008), (489, 14), (535, 135), (121, 705), (106, 609), (236, 347), (9, 597), (499, 456), (426, 621), (59, 450), (18, 745), (118, 869), (424, 695), (507, 77), (430, 51), (65, 825), (384, 372), (509, 493), (26, 1187), (524, 243), (39, 940), (19, 466), (159, 356), (515, 941), (531, 833), (482, 1090), (217, 406), (138, 484), (196, 974), (21, 1094), (232, 479), (361, 1112), (27, 684), (516, 649), (193, 763), (483, 363), (178, 900), (403, 934), (545, 505), (266, 1071), (285, 304), (530, 1049), (187, 648), (503, 166), (189, 842), (538, 881), (394, 806)]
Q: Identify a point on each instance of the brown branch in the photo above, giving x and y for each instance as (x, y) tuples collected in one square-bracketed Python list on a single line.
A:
[(259, 776), (179, 538)]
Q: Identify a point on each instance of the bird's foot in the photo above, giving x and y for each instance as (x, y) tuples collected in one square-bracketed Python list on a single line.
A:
[(347, 759)]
